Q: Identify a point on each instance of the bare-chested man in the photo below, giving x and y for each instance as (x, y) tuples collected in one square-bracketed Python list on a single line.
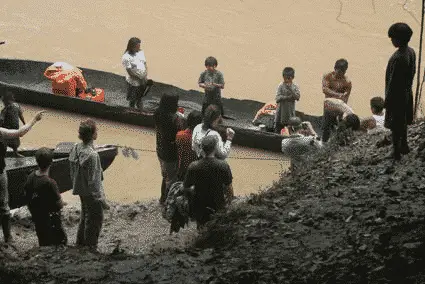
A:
[(336, 84)]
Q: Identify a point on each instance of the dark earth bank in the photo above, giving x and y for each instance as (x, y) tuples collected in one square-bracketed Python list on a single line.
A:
[(349, 216)]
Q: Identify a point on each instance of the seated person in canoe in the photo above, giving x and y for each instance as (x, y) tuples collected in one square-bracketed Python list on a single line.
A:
[(298, 127)]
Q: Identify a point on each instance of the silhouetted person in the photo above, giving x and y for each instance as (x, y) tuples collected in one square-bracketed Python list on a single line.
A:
[(401, 69), (212, 179), (45, 202)]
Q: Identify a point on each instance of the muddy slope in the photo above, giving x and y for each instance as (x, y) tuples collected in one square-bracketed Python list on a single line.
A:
[(350, 216)]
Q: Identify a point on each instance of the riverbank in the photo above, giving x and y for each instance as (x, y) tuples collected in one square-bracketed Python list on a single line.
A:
[(348, 217)]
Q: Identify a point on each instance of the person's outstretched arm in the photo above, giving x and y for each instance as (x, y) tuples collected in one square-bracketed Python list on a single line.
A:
[(14, 133)]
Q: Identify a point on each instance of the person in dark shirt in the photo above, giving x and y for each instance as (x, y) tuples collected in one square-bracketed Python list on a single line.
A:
[(10, 116), (184, 144), (45, 202), (167, 124), (212, 81), (4, 194), (211, 178), (399, 75)]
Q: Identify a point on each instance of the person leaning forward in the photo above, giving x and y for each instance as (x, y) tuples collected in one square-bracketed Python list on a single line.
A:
[(399, 75), (212, 179)]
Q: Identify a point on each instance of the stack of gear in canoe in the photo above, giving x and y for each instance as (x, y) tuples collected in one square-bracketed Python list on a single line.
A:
[(69, 81), (266, 116)]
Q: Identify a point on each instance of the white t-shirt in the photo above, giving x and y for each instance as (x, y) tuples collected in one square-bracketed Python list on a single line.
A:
[(380, 121), (223, 149), (135, 62)]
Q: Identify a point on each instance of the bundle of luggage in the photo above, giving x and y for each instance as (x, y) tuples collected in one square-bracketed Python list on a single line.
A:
[(68, 80)]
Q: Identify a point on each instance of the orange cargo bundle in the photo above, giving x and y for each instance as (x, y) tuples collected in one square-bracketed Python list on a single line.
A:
[(268, 109), (96, 95), (66, 79)]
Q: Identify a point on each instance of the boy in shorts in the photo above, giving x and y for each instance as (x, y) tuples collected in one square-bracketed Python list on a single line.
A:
[(212, 81)]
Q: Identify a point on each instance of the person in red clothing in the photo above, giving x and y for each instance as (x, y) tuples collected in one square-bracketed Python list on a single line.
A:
[(184, 144)]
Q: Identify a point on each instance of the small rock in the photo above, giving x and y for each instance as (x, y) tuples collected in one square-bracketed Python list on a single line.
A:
[(412, 245)]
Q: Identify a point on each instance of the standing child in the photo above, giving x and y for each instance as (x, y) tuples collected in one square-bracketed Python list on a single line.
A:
[(287, 93), (11, 114), (87, 176), (212, 81), (45, 202)]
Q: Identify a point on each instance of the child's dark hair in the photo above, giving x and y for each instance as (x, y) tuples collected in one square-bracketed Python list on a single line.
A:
[(401, 32), (209, 144), (211, 62), (212, 112), (8, 96), (341, 64), (194, 118), (377, 104), (44, 158), (288, 72), (87, 130), (352, 121)]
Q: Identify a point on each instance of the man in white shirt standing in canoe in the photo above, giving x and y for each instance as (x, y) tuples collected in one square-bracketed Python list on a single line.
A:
[(134, 62)]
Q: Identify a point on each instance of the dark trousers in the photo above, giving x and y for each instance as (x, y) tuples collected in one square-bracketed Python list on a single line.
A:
[(216, 102), (399, 137), (91, 220), (329, 122), (48, 227), (134, 95)]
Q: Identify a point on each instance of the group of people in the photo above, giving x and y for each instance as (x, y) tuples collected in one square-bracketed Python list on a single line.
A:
[(42, 193), (194, 150), (394, 112)]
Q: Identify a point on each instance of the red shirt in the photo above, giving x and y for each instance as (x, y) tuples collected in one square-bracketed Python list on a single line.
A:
[(184, 151)]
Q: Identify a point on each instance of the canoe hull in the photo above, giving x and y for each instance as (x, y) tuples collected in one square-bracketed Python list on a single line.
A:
[(26, 79), (18, 170)]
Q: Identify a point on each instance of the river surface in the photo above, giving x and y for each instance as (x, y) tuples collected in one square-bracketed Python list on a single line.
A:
[(252, 40)]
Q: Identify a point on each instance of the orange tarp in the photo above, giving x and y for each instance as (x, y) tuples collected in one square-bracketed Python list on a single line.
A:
[(268, 109), (66, 81)]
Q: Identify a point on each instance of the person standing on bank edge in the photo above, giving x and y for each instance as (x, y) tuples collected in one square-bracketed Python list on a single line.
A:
[(134, 62), (399, 75), (212, 81), (212, 179), (184, 144), (4, 194), (167, 124), (45, 202), (87, 176)]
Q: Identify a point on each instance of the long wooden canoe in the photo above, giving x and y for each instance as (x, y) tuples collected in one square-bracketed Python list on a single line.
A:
[(19, 168), (26, 79)]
